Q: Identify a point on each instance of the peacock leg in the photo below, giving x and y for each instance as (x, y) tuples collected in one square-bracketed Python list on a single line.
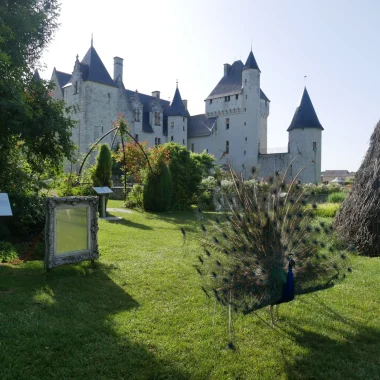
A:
[(271, 313)]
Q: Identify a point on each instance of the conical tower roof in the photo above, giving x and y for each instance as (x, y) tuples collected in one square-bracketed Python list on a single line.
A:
[(177, 107), (251, 62), (305, 115), (93, 69)]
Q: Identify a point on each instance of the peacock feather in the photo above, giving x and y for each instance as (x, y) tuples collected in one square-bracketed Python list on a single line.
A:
[(264, 246)]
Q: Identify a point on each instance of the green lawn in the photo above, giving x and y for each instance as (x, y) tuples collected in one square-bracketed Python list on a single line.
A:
[(141, 315)]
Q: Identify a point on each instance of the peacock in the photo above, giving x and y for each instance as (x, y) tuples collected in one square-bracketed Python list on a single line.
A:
[(265, 245)]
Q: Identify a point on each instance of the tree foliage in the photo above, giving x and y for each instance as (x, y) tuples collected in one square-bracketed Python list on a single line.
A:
[(101, 175), (35, 132), (158, 188)]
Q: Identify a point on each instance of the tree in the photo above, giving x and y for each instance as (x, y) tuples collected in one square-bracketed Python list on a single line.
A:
[(35, 132), (101, 176), (186, 174), (158, 188)]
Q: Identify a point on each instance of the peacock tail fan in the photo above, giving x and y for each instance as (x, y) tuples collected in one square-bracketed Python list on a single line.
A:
[(247, 247)]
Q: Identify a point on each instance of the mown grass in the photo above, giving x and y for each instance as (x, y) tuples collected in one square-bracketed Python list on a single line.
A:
[(140, 314)]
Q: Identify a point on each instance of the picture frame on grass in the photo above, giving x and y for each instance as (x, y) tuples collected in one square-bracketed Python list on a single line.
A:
[(71, 230)]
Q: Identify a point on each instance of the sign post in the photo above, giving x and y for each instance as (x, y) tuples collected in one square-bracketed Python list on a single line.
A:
[(102, 192)]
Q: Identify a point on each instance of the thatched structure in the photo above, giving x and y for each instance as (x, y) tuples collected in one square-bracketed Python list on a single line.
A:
[(359, 218)]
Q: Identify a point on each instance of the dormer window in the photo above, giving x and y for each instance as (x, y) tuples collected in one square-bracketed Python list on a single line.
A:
[(75, 87), (157, 118), (137, 115)]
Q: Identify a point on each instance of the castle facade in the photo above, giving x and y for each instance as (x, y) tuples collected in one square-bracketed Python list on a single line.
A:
[(233, 128)]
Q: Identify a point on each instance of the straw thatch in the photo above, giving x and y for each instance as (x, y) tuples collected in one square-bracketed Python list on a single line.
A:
[(359, 218)]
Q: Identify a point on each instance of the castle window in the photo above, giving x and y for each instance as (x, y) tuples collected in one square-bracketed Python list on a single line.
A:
[(245, 153), (237, 96), (172, 124), (183, 119), (183, 141), (245, 109), (246, 139), (183, 128), (227, 147), (171, 138), (243, 166), (314, 146), (157, 141), (157, 118), (245, 123), (227, 123), (137, 138), (109, 98), (207, 150), (227, 98), (75, 88), (245, 81), (246, 97), (192, 147), (137, 115), (210, 101)]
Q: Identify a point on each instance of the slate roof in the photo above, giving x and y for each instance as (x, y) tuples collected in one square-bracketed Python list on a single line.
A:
[(305, 115), (263, 96), (146, 98), (251, 62), (231, 83), (63, 78), (147, 102), (36, 76), (199, 126), (93, 69), (336, 173), (176, 107)]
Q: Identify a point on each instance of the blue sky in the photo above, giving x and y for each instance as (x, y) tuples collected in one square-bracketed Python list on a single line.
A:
[(334, 42)]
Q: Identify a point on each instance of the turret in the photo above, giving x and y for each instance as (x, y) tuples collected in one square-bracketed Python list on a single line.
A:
[(177, 116), (305, 141)]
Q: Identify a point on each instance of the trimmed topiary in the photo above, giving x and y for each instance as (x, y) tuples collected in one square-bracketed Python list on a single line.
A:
[(158, 189)]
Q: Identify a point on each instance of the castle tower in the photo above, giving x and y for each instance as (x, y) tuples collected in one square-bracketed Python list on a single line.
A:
[(305, 142), (177, 119), (251, 107)]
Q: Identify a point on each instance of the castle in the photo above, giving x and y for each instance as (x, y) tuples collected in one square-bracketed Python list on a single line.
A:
[(233, 128)]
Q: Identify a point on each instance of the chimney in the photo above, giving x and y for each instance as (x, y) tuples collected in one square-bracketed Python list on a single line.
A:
[(118, 68), (156, 94), (227, 68), (184, 101)]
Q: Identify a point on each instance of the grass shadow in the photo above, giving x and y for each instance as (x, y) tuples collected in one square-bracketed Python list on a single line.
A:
[(129, 223), (348, 349), (61, 324)]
